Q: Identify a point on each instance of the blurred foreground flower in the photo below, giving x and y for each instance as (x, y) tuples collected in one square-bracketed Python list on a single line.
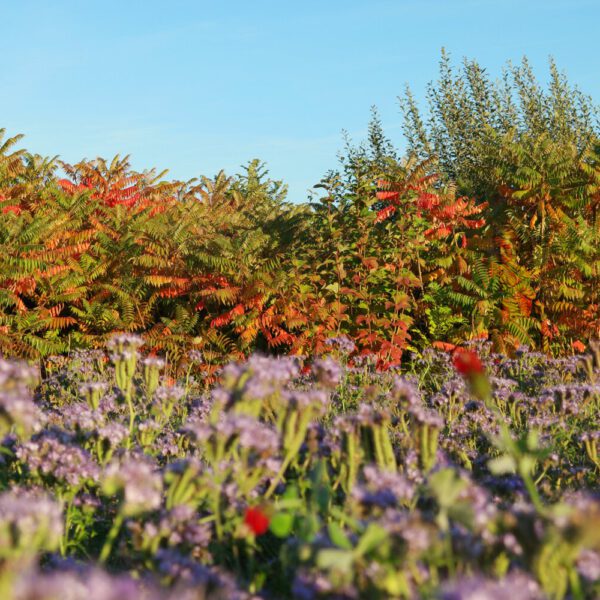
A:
[(17, 409), (139, 481), (29, 521), (469, 365), (256, 520)]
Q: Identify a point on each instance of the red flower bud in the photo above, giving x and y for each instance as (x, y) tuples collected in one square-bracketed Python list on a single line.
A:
[(467, 363), (256, 520)]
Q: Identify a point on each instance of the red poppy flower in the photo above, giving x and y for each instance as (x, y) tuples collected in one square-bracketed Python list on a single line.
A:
[(257, 520), (467, 363)]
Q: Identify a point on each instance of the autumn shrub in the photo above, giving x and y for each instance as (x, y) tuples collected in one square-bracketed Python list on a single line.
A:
[(106, 249), (375, 249), (531, 153), (487, 227)]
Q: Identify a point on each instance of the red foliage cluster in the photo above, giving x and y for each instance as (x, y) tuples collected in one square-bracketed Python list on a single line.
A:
[(446, 213)]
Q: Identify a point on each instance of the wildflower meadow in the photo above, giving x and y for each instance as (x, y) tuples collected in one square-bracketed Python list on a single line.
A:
[(390, 391)]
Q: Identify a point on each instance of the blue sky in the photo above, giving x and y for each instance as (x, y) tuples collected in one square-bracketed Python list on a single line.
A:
[(196, 86)]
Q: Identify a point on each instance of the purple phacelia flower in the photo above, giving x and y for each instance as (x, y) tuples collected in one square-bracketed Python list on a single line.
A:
[(512, 587), (327, 371), (18, 411), (83, 584), (343, 344), (51, 454), (124, 342), (139, 481), (154, 362), (383, 489), (29, 521)]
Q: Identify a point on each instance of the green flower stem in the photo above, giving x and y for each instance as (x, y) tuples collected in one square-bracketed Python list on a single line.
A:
[(532, 490), (523, 473), (216, 502), (450, 553), (352, 460), (131, 416), (379, 458), (575, 582), (111, 537), (178, 492), (290, 455)]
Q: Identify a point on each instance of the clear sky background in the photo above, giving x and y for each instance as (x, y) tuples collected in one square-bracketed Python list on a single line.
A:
[(196, 86)]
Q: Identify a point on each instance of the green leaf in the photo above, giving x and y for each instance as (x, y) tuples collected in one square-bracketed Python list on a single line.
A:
[(463, 513), (373, 536), (502, 464), (338, 537), (290, 503), (335, 559), (282, 524), (308, 527), (527, 464), (446, 485)]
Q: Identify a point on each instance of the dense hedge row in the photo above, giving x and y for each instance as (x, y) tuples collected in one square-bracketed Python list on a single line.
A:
[(490, 228)]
